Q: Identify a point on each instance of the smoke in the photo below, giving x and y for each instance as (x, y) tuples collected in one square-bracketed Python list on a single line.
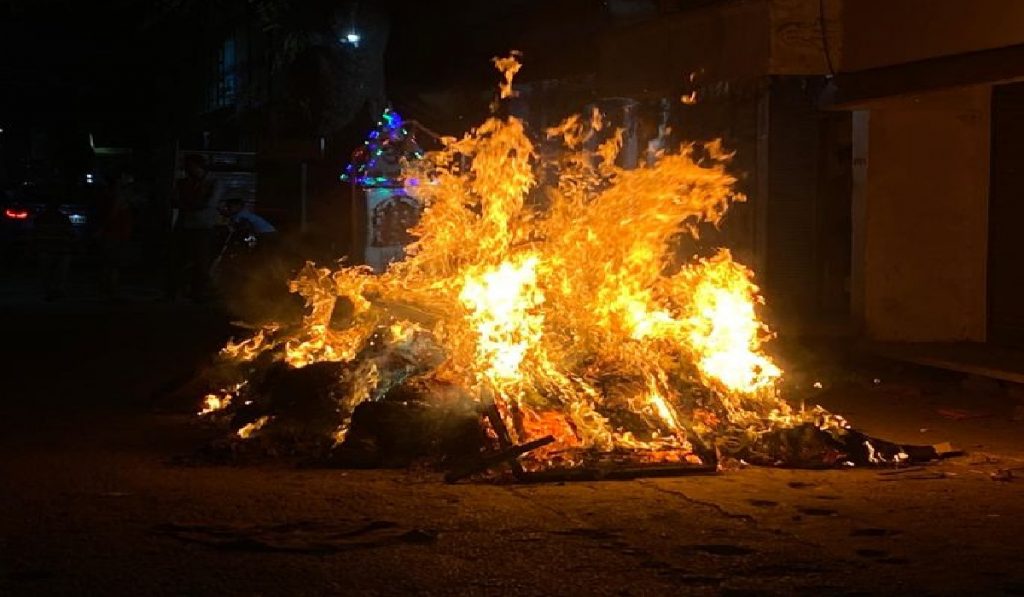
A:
[(254, 284)]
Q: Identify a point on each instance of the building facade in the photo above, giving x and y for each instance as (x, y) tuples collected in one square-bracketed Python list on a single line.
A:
[(752, 73), (937, 123), (880, 144)]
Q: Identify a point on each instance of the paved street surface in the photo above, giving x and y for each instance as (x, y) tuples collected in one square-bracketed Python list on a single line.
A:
[(94, 501)]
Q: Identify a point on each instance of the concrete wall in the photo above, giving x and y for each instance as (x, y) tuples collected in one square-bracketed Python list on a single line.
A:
[(734, 39), (921, 178), (802, 42), (725, 41), (884, 32)]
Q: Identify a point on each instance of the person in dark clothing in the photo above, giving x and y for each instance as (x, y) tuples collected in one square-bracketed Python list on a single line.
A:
[(53, 240), (115, 231), (195, 216), (248, 233)]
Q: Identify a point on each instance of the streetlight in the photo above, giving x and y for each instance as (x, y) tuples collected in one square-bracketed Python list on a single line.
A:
[(351, 38)]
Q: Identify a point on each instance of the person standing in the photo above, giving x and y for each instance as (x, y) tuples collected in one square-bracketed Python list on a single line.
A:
[(194, 218), (53, 238), (115, 231)]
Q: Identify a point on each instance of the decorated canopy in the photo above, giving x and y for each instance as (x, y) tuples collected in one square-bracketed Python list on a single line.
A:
[(378, 163)]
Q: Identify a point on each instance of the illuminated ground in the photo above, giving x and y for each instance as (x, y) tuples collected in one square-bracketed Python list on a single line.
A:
[(89, 490)]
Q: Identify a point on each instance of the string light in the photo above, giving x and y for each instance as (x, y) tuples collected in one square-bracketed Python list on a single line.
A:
[(389, 135)]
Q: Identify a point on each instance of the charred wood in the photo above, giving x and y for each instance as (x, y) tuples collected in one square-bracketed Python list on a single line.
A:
[(489, 461)]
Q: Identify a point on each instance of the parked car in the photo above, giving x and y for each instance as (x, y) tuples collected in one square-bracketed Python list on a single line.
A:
[(18, 210)]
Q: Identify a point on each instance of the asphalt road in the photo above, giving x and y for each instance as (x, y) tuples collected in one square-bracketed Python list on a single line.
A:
[(93, 500)]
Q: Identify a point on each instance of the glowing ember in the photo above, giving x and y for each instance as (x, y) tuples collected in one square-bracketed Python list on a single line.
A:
[(246, 431), (213, 403), (563, 302)]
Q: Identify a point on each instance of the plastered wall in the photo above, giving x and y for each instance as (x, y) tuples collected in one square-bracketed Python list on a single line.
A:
[(921, 172)]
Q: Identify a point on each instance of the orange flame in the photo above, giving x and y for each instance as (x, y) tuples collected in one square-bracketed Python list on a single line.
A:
[(561, 301)]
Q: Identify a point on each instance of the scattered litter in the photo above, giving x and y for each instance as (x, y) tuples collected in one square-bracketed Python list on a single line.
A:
[(1003, 474), (946, 450)]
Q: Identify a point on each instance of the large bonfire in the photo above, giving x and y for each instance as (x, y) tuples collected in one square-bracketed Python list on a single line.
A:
[(552, 290)]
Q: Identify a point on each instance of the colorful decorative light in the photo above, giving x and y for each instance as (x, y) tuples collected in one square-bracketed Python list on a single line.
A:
[(390, 139)]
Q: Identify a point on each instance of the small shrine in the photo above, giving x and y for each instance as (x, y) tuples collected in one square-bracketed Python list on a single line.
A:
[(382, 211)]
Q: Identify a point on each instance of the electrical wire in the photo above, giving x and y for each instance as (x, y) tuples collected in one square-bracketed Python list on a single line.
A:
[(825, 46)]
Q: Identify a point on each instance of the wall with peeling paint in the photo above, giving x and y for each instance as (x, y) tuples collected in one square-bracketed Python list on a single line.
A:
[(806, 36)]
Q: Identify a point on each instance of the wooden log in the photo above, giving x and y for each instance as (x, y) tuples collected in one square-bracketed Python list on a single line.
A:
[(492, 460), (490, 410), (616, 472)]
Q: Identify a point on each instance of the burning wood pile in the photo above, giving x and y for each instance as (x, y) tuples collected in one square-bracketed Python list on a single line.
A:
[(541, 319)]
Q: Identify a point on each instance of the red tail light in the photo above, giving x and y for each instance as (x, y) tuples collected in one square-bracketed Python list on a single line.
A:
[(16, 214)]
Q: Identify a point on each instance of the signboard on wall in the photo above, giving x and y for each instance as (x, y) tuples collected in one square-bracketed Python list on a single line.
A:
[(390, 212), (236, 171)]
